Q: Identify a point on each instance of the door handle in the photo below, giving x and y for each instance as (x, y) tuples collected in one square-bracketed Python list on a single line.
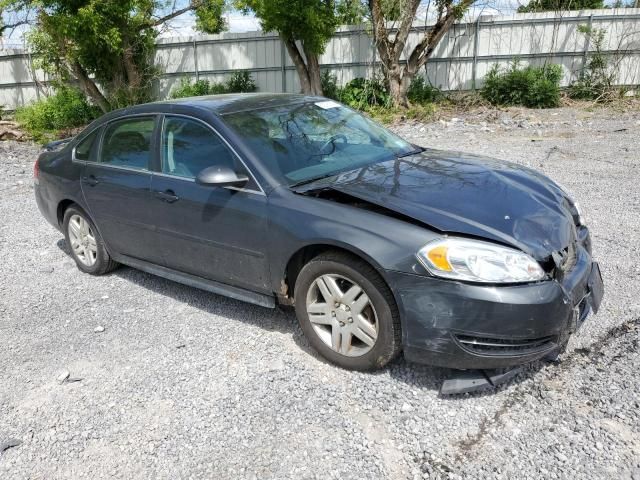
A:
[(168, 196), (91, 180)]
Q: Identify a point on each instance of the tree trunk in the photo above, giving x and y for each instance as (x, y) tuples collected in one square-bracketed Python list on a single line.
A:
[(399, 81), (307, 66), (313, 69), (390, 50), (130, 67), (90, 88), (298, 61)]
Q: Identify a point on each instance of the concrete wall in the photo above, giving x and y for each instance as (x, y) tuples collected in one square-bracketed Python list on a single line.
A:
[(459, 63)]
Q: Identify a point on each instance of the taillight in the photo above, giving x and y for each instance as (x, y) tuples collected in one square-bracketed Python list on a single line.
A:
[(36, 171)]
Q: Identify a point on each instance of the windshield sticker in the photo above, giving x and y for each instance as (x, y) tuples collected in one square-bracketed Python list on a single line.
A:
[(327, 104)]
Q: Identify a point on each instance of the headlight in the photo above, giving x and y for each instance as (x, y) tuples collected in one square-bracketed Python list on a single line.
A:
[(478, 261)]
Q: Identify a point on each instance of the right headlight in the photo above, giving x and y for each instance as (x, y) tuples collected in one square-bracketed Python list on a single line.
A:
[(478, 261)]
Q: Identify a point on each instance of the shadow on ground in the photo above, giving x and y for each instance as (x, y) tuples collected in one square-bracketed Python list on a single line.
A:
[(283, 320)]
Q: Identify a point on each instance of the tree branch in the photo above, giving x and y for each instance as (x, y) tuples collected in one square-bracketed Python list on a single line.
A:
[(381, 34), (12, 26), (89, 86), (432, 37), (406, 23), (194, 4)]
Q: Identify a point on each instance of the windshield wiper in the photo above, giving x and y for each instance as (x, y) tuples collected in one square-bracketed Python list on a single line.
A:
[(412, 152), (311, 180)]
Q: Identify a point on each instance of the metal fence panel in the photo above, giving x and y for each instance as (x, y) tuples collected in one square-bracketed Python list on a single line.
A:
[(459, 62)]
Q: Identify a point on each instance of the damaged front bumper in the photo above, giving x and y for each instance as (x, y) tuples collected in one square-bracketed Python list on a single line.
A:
[(470, 326)]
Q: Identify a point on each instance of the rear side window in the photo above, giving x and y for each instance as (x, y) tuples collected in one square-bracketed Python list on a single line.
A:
[(127, 143), (188, 147), (83, 149)]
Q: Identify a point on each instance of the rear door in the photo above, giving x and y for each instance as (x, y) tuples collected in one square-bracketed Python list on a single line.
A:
[(212, 232), (116, 186)]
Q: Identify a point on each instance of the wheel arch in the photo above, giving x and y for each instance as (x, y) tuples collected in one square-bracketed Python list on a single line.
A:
[(304, 254), (63, 205)]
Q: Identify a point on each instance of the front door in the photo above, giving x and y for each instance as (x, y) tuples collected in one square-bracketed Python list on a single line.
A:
[(212, 232), (116, 187)]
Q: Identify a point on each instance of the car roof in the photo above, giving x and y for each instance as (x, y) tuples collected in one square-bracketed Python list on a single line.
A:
[(231, 102)]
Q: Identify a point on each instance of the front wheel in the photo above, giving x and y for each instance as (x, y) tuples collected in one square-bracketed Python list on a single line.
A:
[(347, 312)]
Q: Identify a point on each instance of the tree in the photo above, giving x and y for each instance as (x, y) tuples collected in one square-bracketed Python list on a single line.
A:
[(106, 47), (557, 5), (391, 46), (14, 14), (305, 27)]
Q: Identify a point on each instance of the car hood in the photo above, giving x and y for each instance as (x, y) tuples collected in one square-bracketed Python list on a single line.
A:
[(466, 194)]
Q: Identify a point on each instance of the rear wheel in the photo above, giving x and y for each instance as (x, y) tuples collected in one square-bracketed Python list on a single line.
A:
[(347, 312), (86, 244)]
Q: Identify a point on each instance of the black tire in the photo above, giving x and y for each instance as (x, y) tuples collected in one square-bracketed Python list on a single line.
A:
[(103, 262), (389, 340)]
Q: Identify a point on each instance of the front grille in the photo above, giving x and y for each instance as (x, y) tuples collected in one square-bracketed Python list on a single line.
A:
[(500, 346)]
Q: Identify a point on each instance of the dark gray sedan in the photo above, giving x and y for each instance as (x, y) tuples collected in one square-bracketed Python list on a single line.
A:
[(381, 246)]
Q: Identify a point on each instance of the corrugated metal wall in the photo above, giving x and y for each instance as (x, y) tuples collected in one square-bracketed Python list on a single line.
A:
[(461, 59)]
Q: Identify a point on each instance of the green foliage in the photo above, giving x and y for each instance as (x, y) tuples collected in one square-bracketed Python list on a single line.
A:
[(351, 12), (559, 5), (329, 84), (209, 17), (312, 22), (360, 93), (387, 115), (372, 95), (421, 92), (533, 87), (596, 79), (66, 109), (240, 82), (354, 12), (305, 27), (107, 43), (112, 41), (195, 89)]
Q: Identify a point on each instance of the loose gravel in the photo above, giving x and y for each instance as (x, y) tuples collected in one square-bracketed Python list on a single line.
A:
[(132, 376)]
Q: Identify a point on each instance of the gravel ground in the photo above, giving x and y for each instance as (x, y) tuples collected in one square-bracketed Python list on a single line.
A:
[(165, 381)]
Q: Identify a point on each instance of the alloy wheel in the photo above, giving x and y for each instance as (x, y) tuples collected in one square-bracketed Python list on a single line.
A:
[(342, 315), (83, 240)]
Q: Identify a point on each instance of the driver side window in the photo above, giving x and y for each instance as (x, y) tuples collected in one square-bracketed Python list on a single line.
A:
[(188, 147)]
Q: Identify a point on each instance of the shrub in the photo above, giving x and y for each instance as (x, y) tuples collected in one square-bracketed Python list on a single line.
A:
[(388, 115), (533, 87), (363, 93), (66, 108), (421, 92), (188, 89), (240, 82), (360, 92), (596, 79), (329, 83)]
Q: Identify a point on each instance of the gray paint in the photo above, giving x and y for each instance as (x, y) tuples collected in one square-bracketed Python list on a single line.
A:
[(239, 242)]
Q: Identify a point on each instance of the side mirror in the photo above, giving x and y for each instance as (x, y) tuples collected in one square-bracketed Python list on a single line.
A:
[(220, 176)]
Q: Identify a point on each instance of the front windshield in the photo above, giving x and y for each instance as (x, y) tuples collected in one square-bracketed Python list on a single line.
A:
[(308, 141)]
